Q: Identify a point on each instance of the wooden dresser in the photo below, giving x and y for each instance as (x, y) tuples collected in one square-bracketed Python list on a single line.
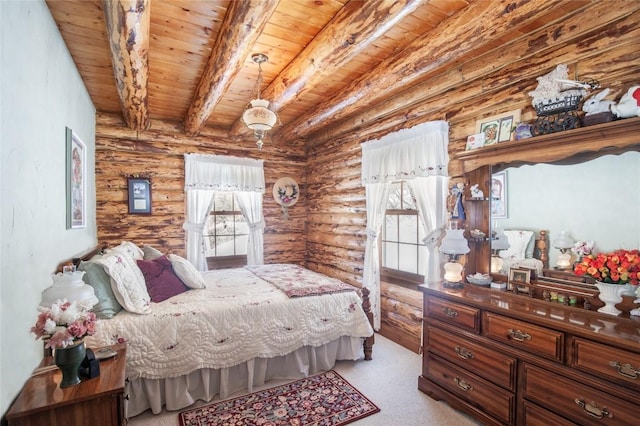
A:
[(98, 401), (513, 360)]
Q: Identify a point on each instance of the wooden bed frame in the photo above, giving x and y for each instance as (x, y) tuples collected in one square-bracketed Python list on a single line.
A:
[(363, 292)]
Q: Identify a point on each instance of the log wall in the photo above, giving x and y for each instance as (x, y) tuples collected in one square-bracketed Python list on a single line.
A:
[(159, 153), (602, 47)]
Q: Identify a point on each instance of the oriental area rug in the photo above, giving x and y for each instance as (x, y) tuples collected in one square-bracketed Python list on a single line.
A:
[(324, 399)]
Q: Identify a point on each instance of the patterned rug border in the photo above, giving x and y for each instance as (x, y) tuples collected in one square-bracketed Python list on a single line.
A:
[(337, 380)]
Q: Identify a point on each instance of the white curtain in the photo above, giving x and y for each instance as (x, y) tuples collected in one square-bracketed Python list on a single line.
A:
[(251, 206), (419, 152), (198, 201), (205, 174), (431, 194)]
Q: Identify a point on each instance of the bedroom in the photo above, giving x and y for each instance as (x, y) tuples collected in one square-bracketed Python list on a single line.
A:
[(43, 93)]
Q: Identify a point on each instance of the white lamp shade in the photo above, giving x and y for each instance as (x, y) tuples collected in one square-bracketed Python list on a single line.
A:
[(69, 286), (453, 272), (500, 241), (454, 242), (564, 241), (259, 116)]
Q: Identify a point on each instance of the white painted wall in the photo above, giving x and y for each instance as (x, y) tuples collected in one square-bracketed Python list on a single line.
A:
[(598, 200), (40, 93)]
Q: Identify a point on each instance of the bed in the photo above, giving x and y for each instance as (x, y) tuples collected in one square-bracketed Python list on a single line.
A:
[(241, 328)]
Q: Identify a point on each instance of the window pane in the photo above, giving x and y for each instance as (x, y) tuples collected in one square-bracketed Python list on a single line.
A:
[(241, 225), (394, 196), (391, 228), (224, 246), (408, 229), (209, 226), (408, 200), (241, 244), (422, 260), (390, 255), (224, 224), (222, 201), (408, 258), (209, 246)]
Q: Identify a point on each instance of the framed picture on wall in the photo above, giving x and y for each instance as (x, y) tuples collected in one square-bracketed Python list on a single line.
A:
[(76, 180), (139, 195), (499, 128), (499, 195)]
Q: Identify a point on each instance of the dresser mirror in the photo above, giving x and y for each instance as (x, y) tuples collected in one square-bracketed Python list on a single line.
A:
[(597, 200)]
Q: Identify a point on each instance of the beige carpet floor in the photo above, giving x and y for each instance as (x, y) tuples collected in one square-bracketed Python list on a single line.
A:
[(390, 381)]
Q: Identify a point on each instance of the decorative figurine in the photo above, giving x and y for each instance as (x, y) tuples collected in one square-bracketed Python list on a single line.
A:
[(629, 104), (596, 104), (458, 207), (476, 192)]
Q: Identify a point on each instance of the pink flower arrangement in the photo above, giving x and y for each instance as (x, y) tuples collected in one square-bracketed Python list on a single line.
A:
[(618, 267), (583, 248), (64, 323)]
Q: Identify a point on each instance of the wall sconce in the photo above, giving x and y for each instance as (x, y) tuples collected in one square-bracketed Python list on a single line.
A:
[(258, 117), (563, 243), (453, 245), (498, 242)]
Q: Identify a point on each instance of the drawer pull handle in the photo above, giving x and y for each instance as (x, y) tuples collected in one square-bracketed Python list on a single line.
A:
[(451, 313), (462, 384), (625, 370), (593, 410), (518, 336), (463, 353)]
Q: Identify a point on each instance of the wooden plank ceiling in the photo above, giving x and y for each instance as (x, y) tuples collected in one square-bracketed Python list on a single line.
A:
[(329, 60)]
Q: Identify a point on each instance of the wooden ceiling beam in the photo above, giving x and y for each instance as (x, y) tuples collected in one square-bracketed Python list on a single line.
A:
[(355, 27), (128, 23), (478, 24), (242, 24)]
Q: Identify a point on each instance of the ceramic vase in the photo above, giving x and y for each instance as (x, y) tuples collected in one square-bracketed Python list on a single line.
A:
[(611, 295), (68, 361)]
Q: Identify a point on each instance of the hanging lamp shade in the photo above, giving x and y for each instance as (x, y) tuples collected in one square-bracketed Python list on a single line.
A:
[(259, 116)]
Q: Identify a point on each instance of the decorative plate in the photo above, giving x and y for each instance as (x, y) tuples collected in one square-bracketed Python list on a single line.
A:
[(286, 191)]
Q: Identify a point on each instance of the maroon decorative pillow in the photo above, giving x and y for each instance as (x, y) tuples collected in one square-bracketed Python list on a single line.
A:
[(162, 282)]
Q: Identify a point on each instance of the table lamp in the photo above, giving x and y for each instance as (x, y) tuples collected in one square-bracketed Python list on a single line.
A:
[(563, 243), (70, 286), (453, 245), (498, 242)]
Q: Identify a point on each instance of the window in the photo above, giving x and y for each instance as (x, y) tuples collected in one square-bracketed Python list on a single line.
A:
[(226, 232), (403, 256)]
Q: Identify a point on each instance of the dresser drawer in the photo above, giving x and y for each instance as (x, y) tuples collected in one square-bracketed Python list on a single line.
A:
[(459, 315), (583, 404), (614, 364), (532, 338), (478, 392), (534, 415), (482, 361)]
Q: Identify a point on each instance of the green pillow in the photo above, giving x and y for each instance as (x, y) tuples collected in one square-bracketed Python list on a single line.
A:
[(96, 277), (151, 253)]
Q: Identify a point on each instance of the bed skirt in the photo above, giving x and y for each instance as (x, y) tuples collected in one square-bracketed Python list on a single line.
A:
[(205, 384)]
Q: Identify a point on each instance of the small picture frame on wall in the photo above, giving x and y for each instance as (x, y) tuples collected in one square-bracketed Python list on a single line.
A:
[(498, 128), (499, 195), (139, 195), (76, 180)]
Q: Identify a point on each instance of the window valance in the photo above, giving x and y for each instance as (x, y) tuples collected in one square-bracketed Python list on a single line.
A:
[(223, 173), (420, 151)]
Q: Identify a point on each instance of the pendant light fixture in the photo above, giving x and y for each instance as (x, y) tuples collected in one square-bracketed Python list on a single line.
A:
[(258, 117)]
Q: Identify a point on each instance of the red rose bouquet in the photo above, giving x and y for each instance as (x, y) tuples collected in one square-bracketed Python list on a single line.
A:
[(618, 267)]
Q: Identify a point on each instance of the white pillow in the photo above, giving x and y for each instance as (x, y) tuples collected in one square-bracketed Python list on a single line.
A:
[(129, 248), (188, 273), (127, 282), (518, 240)]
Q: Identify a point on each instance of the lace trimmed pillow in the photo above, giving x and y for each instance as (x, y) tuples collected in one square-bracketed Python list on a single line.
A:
[(188, 273), (129, 248), (127, 282), (518, 240)]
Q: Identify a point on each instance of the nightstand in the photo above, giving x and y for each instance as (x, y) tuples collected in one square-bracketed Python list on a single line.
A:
[(98, 401)]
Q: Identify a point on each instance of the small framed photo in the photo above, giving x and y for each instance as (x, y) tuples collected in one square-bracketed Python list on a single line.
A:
[(475, 141), (520, 280), (139, 195), (499, 128), (499, 195), (76, 185)]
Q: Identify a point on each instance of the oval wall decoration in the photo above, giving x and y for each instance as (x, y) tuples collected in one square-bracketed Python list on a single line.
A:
[(286, 193)]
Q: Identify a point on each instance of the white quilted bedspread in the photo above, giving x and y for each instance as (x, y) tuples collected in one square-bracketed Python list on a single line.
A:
[(237, 317)]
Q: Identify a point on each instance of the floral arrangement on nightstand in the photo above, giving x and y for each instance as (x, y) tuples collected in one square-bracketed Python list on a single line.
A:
[(64, 323)]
